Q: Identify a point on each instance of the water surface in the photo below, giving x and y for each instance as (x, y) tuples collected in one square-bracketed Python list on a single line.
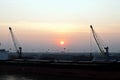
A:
[(36, 77)]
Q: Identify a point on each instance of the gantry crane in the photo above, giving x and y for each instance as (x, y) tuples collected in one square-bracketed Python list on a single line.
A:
[(103, 49), (17, 48)]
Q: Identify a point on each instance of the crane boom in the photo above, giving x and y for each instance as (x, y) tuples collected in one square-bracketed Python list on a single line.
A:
[(100, 46), (14, 41), (18, 49)]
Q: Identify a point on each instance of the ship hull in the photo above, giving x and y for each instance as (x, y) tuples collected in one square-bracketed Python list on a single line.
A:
[(93, 70)]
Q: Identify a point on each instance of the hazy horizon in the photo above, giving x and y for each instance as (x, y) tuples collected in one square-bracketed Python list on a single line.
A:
[(40, 25)]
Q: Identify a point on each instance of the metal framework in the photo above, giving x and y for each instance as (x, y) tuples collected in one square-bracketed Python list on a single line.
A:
[(18, 49), (100, 44)]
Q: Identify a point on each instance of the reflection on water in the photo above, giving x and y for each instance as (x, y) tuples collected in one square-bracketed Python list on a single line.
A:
[(15, 77), (35, 77)]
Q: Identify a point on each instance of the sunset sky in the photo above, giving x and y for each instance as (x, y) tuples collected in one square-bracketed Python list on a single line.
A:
[(40, 25)]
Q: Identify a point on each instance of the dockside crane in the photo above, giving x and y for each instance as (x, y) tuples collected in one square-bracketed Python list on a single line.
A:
[(17, 48), (103, 49)]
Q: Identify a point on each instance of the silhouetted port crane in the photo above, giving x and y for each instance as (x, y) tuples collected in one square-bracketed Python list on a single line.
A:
[(17, 48), (104, 50)]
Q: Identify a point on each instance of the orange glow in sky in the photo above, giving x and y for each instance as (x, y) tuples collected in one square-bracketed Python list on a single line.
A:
[(48, 25), (62, 42)]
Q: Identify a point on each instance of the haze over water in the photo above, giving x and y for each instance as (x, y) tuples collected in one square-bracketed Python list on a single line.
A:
[(40, 25)]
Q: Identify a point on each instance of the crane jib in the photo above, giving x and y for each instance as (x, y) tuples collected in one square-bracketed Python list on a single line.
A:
[(17, 48), (100, 46)]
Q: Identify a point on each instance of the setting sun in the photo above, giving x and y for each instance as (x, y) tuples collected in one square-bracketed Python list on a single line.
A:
[(62, 42)]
